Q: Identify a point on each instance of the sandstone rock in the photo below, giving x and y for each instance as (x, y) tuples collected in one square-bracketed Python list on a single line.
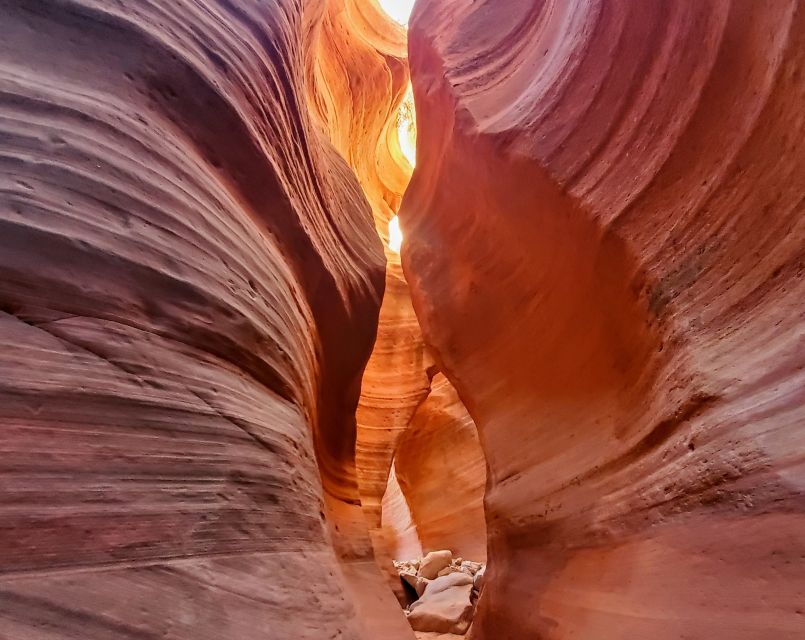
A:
[(471, 567), (421, 586), (395, 379), (448, 570), (478, 580), (447, 582), (641, 407), (417, 582), (410, 578), (394, 385), (443, 611), (189, 283), (434, 562), (441, 469)]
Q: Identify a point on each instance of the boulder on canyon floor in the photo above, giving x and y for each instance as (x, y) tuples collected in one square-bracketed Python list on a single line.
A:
[(443, 583), (445, 607), (434, 562), (446, 603)]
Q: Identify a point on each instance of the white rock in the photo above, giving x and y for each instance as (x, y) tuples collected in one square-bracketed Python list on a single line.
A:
[(472, 567), (434, 562), (443, 611), (478, 580), (457, 579)]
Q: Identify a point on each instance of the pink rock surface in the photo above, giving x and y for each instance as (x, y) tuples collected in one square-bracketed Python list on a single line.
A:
[(605, 241), (399, 528), (441, 470), (190, 279)]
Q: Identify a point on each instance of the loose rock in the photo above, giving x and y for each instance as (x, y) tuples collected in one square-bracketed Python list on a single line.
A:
[(478, 580), (446, 603), (434, 562), (445, 611), (447, 582)]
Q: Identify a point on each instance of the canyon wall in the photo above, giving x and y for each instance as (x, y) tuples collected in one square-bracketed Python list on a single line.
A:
[(394, 384), (440, 468), (362, 64), (190, 287), (357, 81), (398, 527), (605, 244)]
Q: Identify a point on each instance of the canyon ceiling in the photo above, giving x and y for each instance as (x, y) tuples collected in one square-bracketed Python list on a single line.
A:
[(227, 403)]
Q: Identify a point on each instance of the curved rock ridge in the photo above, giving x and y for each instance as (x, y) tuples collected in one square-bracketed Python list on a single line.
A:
[(605, 244), (363, 61), (440, 468), (357, 80), (395, 382), (398, 527), (190, 289)]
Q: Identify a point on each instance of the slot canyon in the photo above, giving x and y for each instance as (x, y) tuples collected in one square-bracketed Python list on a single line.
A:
[(383, 320)]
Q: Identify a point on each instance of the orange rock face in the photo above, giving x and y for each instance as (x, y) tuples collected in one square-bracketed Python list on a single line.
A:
[(362, 62), (189, 289), (210, 426), (441, 471), (399, 529), (395, 382), (604, 242)]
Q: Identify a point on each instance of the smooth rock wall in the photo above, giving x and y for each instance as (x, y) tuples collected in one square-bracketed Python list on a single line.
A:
[(190, 279), (441, 471), (399, 528), (605, 244)]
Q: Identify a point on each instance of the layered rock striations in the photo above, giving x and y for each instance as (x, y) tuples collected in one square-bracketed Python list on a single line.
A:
[(356, 82), (605, 245), (398, 531), (394, 384), (440, 468), (363, 62), (190, 285)]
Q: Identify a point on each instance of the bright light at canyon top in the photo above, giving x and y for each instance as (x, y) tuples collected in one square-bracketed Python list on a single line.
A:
[(395, 235), (398, 10), (406, 127)]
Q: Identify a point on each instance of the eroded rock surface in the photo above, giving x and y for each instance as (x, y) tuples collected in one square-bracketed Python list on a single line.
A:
[(447, 610), (360, 118), (605, 241), (398, 527), (190, 285), (444, 603), (441, 470)]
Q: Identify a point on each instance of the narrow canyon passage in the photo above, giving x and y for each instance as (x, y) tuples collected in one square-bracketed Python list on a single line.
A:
[(420, 468), (368, 320)]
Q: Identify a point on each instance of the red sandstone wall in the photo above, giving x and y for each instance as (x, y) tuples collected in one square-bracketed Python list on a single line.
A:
[(399, 529), (189, 288), (441, 471), (605, 246), (358, 80)]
